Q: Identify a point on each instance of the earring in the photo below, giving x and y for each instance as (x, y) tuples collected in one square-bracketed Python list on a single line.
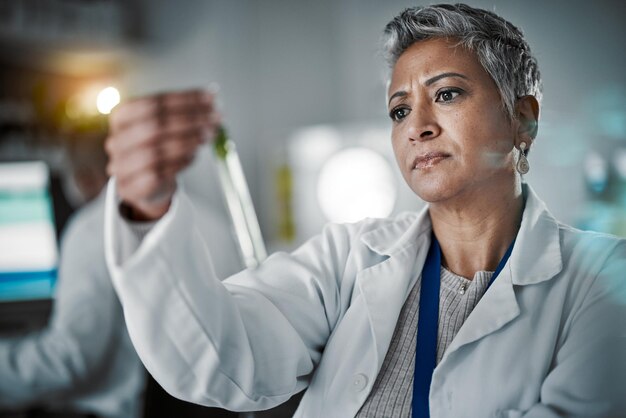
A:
[(522, 162)]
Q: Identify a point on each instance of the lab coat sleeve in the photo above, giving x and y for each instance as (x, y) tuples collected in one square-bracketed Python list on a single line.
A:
[(72, 348), (248, 343), (590, 367)]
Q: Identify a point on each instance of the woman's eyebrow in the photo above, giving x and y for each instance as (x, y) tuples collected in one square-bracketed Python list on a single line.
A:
[(400, 93), (443, 75), (432, 80)]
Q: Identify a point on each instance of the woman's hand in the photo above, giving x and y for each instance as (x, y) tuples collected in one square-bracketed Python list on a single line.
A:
[(151, 139)]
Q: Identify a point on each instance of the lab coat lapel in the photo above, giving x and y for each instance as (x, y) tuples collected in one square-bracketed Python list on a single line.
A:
[(497, 308), (536, 257), (386, 285)]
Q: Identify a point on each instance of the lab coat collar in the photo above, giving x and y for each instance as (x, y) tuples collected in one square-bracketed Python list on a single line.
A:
[(385, 285), (536, 256), (397, 235)]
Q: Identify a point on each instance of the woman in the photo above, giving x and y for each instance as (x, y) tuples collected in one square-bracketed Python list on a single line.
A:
[(481, 305)]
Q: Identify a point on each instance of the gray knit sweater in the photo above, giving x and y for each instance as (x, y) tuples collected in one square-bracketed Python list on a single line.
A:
[(392, 393)]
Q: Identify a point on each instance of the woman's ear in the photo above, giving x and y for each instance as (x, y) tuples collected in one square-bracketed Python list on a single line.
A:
[(527, 113)]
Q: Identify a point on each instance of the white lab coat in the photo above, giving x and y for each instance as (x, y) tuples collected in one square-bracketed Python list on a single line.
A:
[(547, 339), (83, 359)]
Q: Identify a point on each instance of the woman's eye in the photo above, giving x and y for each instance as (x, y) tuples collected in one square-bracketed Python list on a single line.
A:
[(398, 114), (447, 95)]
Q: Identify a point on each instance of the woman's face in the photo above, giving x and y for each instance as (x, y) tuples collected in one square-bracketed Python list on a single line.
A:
[(451, 135)]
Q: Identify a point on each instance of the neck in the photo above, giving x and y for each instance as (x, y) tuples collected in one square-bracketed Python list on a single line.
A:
[(474, 231)]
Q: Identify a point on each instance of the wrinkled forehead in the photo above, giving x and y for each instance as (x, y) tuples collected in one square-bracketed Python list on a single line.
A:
[(424, 59)]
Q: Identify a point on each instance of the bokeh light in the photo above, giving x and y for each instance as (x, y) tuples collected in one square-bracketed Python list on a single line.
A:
[(596, 171), (354, 184), (107, 99)]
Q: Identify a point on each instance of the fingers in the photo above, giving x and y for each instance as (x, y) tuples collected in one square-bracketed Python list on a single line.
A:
[(160, 106), (150, 132), (156, 153), (152, 139), (150, 188)]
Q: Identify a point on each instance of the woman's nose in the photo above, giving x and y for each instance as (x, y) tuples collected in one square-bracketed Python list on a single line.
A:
[(423, 126)]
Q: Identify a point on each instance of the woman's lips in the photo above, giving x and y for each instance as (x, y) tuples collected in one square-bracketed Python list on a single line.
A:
[(429, 159)]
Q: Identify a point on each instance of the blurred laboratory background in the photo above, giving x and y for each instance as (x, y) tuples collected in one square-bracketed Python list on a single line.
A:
[(302, 92), (300, 82)]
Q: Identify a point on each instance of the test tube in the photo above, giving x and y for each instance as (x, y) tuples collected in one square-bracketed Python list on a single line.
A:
[(238, 200)]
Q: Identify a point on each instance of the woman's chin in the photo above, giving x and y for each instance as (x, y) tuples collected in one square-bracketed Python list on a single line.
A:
[(432, 197), (432, 191)]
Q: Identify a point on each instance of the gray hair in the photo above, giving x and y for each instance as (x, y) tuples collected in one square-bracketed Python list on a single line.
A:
[(499, 45)]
